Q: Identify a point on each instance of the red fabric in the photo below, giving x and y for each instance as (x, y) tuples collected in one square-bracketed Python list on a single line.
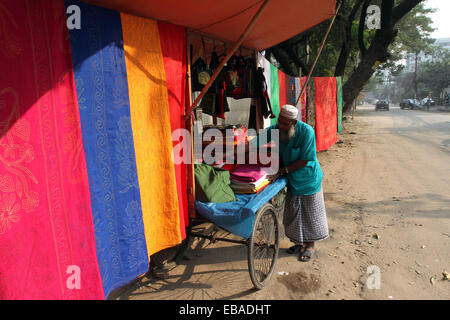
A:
[(173, 46), (46, 227), (303, 99), (326, 112), (282, 86)]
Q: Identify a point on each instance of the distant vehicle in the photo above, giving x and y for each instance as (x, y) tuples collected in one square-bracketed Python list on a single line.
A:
[(410, 104), (427, 100), (382, 104)]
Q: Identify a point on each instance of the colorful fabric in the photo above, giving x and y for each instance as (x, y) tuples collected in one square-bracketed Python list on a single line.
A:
[(292, 91), (47, 242), (212, 184), (249, 173), (274, 93), (340, 103), (303, 99), (173, 46), (102, 89), (325, 112), (282, 89), (297, 94), (150, 119), (249, 189)]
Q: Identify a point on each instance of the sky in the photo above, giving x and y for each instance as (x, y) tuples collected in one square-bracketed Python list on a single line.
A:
[(441, 18)]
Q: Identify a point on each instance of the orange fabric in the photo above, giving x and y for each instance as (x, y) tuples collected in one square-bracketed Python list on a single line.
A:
[(226, 20), (150, 120)]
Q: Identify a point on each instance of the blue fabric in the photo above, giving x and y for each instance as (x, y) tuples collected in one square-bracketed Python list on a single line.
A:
[(238, 216), (293, 91), (102, 90), (302, 146)]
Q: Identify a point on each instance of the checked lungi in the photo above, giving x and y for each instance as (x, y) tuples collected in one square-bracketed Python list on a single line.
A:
[(305, 218)]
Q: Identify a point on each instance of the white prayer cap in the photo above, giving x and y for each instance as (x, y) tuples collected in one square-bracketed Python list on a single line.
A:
[(289, 111)]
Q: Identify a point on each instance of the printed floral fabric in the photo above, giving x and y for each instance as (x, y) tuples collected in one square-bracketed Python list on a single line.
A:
[(47, 243)]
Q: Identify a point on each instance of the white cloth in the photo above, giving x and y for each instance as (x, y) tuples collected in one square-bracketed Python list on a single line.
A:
[(289, 111)]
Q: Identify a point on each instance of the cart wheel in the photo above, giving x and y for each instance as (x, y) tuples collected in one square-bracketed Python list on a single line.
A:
[(263, 246)]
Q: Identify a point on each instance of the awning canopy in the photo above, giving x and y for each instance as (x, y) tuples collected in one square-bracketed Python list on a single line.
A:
[(226, 20)]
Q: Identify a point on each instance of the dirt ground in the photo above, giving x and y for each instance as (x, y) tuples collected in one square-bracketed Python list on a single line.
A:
[(387, 193)]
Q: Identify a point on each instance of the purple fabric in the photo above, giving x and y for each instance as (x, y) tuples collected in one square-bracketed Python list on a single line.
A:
[(248, 173)]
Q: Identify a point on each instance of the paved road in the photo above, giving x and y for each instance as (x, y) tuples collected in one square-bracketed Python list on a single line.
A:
[(387, 192)]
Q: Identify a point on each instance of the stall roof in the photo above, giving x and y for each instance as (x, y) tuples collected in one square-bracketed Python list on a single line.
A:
[(226, 20)]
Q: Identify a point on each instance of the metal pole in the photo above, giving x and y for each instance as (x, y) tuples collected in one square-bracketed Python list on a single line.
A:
[(320, 51), (229, 55)]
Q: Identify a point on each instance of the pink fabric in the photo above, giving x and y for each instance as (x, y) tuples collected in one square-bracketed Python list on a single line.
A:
[(46, 227), (303, 98), (249, 173)]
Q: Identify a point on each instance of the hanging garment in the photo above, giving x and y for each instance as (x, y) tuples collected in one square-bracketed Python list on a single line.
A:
[(173, 47), (274, 93), (262, 94), (199, 74), (102, 89), (340, 103), (325, 112), (152, 133), (304, 98), (46, 225)]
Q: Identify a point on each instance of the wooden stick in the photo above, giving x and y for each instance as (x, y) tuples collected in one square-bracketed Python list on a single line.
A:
[(229, 55), (190, 127), (318, 54)]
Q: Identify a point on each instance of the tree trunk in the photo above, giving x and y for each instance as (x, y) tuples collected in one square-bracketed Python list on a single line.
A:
[(415, 76), (345, 49), (376, 54)]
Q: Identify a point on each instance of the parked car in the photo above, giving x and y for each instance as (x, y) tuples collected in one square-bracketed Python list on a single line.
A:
[(382, 104), (410, 104)]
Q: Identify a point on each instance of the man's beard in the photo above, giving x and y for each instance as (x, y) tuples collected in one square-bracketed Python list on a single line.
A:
[(285, 136)]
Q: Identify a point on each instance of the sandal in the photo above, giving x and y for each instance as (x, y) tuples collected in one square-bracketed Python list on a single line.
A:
[(306, 254), (295, 249)]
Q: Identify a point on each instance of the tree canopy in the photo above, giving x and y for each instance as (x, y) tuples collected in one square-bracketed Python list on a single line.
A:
[(354, 51)]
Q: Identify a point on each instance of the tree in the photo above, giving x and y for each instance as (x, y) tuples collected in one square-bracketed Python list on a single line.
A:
[(433, 76), (352, 51)]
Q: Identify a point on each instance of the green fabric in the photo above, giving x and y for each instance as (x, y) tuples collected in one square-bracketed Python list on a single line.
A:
[(274, 93), (212, 184), (302, 146), (340, 103)]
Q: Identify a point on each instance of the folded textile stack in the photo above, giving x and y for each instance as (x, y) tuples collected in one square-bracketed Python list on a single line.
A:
[(249, 179)]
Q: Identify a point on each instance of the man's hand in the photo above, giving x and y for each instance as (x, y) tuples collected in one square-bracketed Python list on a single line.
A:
[(273, 177)]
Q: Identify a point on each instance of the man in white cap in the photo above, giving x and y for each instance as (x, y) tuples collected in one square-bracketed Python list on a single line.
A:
[(304, 217)]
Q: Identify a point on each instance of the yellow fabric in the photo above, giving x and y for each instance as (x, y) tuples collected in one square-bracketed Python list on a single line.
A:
[(150, 120)]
